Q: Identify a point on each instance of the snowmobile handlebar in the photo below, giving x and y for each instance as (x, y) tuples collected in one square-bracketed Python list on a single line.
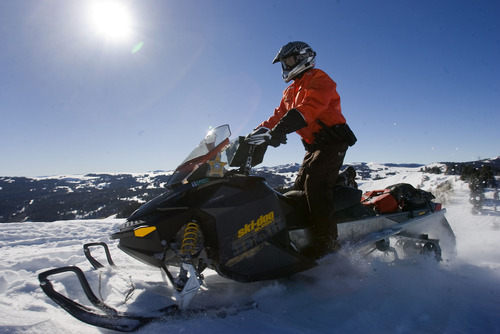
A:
[(246, 155)]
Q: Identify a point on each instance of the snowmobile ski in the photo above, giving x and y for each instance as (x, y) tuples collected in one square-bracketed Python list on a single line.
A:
[(107, 317), (96, 264)]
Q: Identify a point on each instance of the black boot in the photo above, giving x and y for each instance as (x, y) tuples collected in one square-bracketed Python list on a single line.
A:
[(324, 240), (326, 245)]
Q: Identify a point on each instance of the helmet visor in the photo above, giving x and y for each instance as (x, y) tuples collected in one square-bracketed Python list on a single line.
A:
[(289, 62)]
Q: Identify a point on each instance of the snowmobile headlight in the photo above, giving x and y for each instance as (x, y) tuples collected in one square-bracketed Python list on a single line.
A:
[(143, 231)]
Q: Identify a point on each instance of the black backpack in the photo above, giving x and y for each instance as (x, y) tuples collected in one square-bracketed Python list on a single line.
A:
[(409, 198)]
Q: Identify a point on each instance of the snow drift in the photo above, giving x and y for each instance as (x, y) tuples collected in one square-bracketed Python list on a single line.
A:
[(347, 293)]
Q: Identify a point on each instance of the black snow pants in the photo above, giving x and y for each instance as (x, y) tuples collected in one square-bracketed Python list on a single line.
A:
[(317, 176)]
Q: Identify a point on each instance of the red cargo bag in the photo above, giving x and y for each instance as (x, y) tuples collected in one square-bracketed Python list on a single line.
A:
[(381, 201)]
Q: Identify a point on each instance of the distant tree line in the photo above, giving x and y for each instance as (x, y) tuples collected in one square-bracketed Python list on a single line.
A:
[(431, 170), (478, 176), (484, 174)]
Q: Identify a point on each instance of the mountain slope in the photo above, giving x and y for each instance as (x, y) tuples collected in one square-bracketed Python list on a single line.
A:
[(102, 195)]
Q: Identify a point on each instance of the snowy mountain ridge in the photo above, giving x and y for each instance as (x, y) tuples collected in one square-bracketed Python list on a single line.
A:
[(92, 196)]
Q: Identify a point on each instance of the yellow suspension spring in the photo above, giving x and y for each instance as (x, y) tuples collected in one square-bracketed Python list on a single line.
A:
[(190, 239)]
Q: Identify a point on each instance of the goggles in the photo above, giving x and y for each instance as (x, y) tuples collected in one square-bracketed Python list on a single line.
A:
[(289, 62)]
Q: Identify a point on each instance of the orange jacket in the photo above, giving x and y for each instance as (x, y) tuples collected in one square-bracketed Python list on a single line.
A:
[(315, 96)]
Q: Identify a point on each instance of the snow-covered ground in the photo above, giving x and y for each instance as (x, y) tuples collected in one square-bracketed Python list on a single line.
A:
[(347, 293)]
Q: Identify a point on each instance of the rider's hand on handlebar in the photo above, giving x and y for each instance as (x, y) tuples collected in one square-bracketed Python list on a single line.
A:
[(259, 136)]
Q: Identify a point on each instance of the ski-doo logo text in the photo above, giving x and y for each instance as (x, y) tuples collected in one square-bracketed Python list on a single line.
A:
[(253, 237), (258, 225)]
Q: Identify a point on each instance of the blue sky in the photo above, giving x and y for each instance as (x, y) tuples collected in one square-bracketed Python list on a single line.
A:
[(419, 80)]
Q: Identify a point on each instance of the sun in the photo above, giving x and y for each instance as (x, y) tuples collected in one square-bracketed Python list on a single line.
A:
[(111, 19)]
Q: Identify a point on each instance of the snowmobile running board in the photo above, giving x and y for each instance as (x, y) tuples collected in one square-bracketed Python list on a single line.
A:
[(390, 231), (110, 318)]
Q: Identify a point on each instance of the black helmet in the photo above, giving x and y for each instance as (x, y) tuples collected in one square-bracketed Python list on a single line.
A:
[(304, 59)]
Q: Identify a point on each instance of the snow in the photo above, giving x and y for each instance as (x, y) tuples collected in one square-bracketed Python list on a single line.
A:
[(346, 293)]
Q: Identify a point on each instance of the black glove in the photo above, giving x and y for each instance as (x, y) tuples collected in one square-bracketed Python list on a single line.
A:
[(259, 136), (291, 122), (278, 136)]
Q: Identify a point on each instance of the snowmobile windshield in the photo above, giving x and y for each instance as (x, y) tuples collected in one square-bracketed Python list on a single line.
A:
[(206, 159)]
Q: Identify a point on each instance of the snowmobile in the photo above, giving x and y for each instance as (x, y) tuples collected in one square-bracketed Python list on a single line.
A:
[(215, 214)]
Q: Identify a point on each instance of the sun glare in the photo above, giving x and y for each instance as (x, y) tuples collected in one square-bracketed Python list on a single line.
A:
[(111, 19)]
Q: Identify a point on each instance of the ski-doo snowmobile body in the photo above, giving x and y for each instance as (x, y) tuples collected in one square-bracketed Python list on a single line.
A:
[(236, 224), (227, 220), (215, 215)]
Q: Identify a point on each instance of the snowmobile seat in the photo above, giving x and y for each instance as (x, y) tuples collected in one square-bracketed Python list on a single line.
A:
[(343, 196), (347, 206)]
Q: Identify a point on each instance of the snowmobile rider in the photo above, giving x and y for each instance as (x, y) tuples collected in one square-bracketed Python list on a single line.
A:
[(311, 107)]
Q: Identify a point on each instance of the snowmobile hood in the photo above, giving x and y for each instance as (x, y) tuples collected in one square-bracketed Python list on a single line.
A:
[(152, 205)]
